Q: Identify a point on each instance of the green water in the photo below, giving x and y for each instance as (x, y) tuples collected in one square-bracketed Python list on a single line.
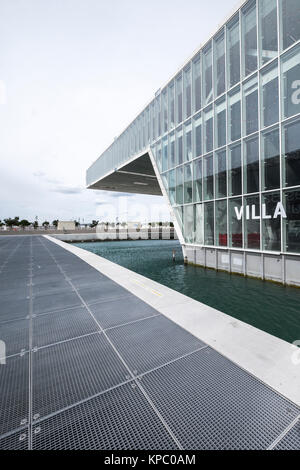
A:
[(270, 307)]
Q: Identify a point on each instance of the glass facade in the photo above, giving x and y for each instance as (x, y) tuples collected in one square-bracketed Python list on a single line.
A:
[(225, 134)]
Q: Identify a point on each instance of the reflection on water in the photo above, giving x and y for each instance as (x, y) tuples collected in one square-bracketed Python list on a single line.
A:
[(270, 307)]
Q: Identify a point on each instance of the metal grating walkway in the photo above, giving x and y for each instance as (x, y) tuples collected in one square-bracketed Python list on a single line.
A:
[(91, 366)]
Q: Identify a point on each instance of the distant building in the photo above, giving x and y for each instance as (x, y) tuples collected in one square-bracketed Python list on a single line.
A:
[(66, 225)]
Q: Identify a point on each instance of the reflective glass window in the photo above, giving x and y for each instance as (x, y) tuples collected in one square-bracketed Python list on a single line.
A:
[(249, 34), (196, 84), (171, 104), (199, 224), (221, 223), (188, 155), (179, 185), (172, 186), (269, 96), (234, 115), (233, 52), (290, 16), (221, 173), (172, 150), (251, 166), (197, 164), (252, 222), (187, 96), (291, 82), (178, 99), (209, 225), (270, 155), (271, 228), (164, 106), (291, 153), (268, 30), (209, 130), (188, 212), (179, 146), (235, 223), (219, 51), (220, 123), (291, 223), (197, 133), (250, 93), (235, 170), (165, 165), (188, 184), (207, 75), (208, 177)]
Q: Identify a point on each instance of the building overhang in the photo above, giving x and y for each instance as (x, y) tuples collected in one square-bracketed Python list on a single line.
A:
[(137, 177)]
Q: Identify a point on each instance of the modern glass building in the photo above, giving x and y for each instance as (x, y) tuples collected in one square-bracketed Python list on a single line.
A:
[(221, 141)]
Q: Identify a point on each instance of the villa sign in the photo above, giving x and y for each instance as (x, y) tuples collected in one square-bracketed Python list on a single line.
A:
[(250, 212)]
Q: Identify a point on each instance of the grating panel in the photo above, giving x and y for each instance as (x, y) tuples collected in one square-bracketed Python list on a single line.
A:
[(14, 379), (152, 342), (116, 312), (51, 287), (119, 419), (60, 326), (55, 302), (210, 403), (15, 441), (15, 334), (292, 439), (106, 290), (69, 372), (14, 309)]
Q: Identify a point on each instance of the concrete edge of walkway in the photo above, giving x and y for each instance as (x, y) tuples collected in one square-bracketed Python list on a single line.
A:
[(268, 358)]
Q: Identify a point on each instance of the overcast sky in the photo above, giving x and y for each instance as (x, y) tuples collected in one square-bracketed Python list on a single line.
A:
[(73, 74)]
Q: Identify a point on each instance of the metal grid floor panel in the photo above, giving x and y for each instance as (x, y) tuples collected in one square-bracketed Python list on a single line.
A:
[(69, 372), (15, 334), (120, 419), (292, 439), (106, 290), (55, 302), (210, 403), (151, 343), (15, 441), (62, 325), (124, 310), (14, 309), (14, 379)]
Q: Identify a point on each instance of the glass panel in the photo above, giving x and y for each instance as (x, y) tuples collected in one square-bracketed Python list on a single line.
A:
[(270, 96), (208, 180), (251, 181), (187, 97), (270, 155), (290, 15), (235, 170), (252, 222), (172, 150), (268, 30), (291, 153), (221, 174), (172, 186), (209, 225), (179, 146), (196, 84), (198, 180), (249, 31), (179, 185), (234, 116), (207, 75), (153, 126), (171, 104), (158, 155), (235, 223), (220, 122), (271, 232), (188, 212), (165, 154), (178, 99), (199, 224), (158, 116), (209, 130), (250, 106), (178, 211), (164, 107), (292, 221), (291, 83), (197, 135), (219, 51), (221, 223), (188, 142), (188, 184), (233, 52)]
